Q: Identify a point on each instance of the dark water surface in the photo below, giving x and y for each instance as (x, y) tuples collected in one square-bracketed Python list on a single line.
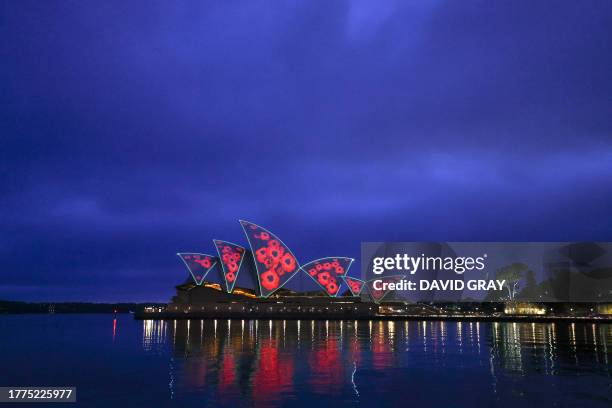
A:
[(198, 363)]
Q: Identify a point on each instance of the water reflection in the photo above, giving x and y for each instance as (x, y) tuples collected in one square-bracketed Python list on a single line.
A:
[(264, 363), (153, 334)]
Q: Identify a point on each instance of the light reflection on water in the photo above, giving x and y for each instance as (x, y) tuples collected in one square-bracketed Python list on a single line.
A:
[(123, 362), (272, 362)]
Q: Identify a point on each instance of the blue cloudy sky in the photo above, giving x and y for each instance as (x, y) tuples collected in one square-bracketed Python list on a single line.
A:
[(133, 130)]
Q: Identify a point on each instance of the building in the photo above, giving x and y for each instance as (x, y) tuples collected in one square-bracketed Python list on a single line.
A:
[(524, 309), (210, 300), (267, 266), (243, 282)]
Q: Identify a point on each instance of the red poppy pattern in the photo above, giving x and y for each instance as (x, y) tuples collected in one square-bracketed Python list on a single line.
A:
[(198, 265), (327, 272), (378, 294), (231, 256), (355, 285), (274, 262)]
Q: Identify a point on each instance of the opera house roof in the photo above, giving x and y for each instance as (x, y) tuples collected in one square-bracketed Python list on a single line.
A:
[(266, 266)]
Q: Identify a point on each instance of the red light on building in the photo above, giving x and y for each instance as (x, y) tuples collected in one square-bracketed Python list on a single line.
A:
[(274, 262), (231, 256), (198, 265), (327, 272)]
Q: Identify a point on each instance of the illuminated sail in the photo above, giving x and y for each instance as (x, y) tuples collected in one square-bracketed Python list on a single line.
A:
[(231, 256), (198, 265), (274, 262), (328, 271), (378, 294), (355, 285)]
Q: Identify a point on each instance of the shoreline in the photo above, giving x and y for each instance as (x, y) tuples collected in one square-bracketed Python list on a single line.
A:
[(335, 317), (292, 316)]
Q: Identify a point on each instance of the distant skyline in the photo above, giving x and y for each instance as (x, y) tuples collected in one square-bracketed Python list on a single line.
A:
[(133, 131)]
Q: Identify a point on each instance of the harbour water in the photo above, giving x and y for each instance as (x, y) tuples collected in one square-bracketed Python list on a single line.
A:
[(118, 361)]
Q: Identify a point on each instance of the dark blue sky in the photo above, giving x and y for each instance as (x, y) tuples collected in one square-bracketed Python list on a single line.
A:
[(134, 130)]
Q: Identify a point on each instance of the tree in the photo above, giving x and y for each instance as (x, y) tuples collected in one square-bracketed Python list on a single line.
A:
[(511, 275), (531, 290)]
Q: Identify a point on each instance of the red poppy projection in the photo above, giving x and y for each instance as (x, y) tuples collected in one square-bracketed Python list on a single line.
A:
[(274, 262), (198, 265), (378, 294), (231, 256), (327, 272), (355, 285)]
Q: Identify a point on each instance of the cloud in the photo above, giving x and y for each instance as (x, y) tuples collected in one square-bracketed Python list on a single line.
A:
[(131, 134)]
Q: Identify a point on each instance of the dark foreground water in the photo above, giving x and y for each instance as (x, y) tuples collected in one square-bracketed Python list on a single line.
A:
[(199, 363)]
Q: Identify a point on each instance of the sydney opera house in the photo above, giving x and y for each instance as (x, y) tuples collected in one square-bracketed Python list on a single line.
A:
[(253, 281)]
